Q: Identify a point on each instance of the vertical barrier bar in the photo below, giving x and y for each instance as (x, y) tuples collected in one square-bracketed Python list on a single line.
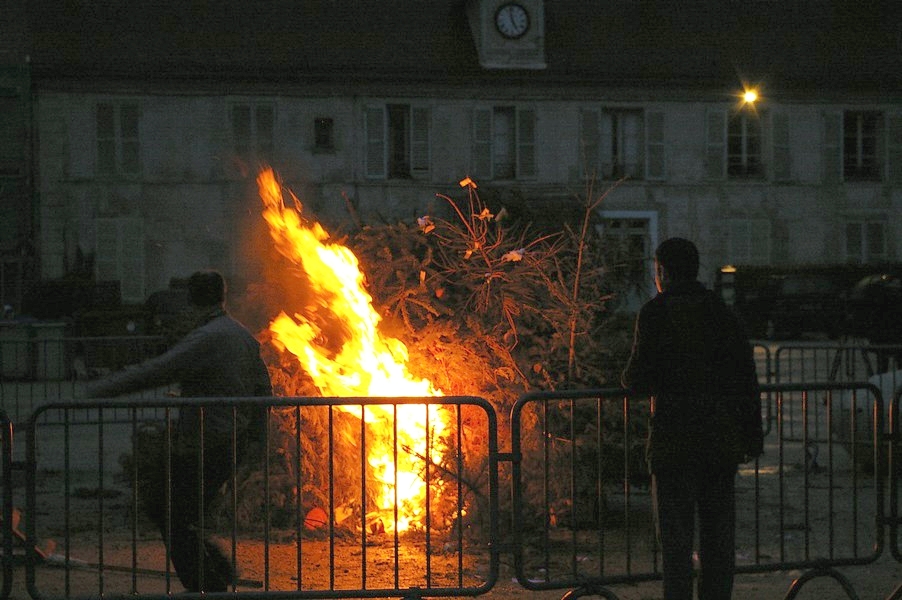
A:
[(7, 460), (765, 371), (894, 465)]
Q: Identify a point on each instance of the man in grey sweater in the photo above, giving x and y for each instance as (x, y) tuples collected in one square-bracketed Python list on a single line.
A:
[(219, 358)]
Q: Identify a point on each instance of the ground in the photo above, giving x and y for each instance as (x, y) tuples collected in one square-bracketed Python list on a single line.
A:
[(872, 582)]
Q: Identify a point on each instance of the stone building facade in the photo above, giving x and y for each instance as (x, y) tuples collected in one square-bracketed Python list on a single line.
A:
[(145, 127)]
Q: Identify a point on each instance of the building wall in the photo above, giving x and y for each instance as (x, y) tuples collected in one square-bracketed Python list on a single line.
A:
[(192, 201)]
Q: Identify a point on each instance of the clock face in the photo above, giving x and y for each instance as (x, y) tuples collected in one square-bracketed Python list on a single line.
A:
[(512, 20)]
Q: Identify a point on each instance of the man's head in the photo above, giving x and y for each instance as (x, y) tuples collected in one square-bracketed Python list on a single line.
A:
[(206, 289), (676, 259)]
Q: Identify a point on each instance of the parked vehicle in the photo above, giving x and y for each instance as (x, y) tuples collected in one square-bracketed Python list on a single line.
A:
[(864, 301)]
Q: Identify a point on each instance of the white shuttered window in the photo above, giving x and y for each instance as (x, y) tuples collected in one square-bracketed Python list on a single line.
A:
[(397, 141), (504, 143)]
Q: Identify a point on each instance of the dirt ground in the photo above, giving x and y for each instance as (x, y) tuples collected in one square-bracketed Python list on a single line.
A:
[(873, 582), (140, 565)]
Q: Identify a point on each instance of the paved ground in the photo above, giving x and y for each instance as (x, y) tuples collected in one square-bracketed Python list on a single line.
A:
[(872, 582)]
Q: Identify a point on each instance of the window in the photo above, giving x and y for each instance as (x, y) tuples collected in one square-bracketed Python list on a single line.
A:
[(323, 134), (619, 143), (120, 256), (865, 242), (894, 149), (118, 144), (397, 141), (744, 144), (733, 144), (856, 145), (504, 145), (862, 143), (253, 131), (749, 241)]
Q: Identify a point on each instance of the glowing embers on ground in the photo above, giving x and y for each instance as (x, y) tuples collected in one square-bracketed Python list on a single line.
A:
[(336, 338)]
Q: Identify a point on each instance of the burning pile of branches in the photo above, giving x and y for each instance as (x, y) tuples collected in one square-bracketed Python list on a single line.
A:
[(485, 307), (493, 307)]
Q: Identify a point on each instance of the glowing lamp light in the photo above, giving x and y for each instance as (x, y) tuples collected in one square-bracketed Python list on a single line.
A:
[(750, 96)]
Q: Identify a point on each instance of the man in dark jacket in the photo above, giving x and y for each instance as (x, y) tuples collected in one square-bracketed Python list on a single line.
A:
[(691, 355), (219, 358)]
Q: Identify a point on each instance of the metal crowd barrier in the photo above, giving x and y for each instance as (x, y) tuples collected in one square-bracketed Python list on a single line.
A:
[(40, 368), (88, 535), (837, 362), (583, 515)]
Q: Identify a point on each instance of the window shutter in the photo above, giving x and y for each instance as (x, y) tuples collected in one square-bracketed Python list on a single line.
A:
[(782, 159), (266, 124), (832, 148), (106, 250), (526, 143), (588, 137), (605, 148), (419, 140), (106, 138), (715, 147), (876, 241), (119, 256), (132, 260), (375, 142), (854, 243), (759, 242), (880, 147), (129, 117), (654, 139), (894, 149), (739, 249), (482, 143), (241, 129)]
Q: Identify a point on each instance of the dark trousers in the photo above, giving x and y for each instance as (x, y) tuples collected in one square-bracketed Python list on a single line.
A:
[(680, 494), (198, 562)]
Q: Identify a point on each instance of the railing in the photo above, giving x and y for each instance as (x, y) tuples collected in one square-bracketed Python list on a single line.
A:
[(315, 460), (577, 451), (40, 365), (580, 517)]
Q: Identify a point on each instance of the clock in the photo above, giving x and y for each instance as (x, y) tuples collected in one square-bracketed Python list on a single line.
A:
[(512, 20)]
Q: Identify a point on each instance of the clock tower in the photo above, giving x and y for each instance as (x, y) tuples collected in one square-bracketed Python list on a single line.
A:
[(509, 34)]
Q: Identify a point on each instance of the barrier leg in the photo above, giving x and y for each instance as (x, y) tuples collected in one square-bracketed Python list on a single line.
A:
[(590, 591), (843, 581)]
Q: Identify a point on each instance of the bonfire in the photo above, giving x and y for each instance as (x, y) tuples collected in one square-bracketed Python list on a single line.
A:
[(484, 308)]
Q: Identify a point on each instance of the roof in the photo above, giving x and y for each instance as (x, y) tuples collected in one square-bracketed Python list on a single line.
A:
[(791, 44)]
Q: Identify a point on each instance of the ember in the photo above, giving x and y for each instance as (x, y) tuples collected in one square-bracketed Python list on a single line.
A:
[(337, 341)]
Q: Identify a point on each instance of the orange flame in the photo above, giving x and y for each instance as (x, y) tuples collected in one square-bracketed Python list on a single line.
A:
[(366, 364)]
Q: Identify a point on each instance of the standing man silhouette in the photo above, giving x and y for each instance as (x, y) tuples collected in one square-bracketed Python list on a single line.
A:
[(691, 354)]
